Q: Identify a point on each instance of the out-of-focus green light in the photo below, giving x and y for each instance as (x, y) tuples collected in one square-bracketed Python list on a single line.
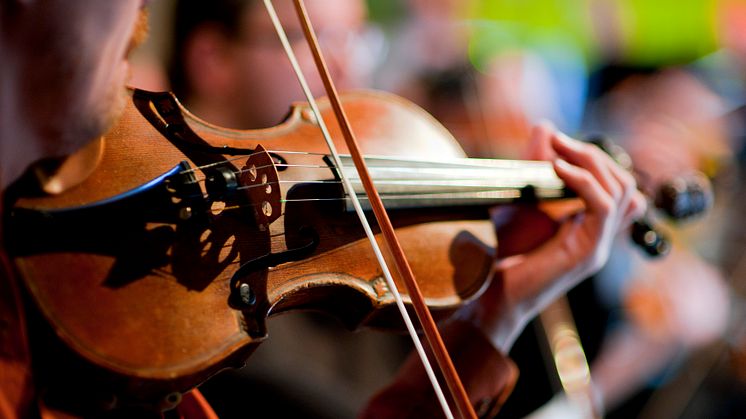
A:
[(644, 32), (535, 24), (665, 31)]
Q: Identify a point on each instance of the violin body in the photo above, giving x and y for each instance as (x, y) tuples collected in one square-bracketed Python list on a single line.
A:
[(161, 267)]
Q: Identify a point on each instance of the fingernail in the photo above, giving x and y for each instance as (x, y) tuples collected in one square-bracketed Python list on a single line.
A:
[(561, 164), (563, 138), (568, 142)]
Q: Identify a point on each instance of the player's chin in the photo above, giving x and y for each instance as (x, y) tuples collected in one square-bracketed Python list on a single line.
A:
[(99, 117), (110, 111)]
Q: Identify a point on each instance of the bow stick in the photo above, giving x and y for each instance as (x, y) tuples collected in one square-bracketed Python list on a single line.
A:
[(433, 338)]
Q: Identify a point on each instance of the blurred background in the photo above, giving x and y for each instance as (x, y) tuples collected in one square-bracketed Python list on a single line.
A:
[(664, 79)]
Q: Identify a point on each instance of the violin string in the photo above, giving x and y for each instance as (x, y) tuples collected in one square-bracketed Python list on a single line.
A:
[(422, 197), (242, 171), (433, 181), (436, 181), (430, 181), (259, 185), (207, 166), (468, 184), (464, 163), (411, 194), (247, 156)]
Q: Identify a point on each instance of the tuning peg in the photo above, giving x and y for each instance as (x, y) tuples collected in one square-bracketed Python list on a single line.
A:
[(685, 197), (649, 239)]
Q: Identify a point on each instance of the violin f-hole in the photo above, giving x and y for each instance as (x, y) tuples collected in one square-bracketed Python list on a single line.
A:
[(254, 298)]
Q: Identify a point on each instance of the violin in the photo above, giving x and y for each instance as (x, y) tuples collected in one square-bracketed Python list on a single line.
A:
[(161, 267)]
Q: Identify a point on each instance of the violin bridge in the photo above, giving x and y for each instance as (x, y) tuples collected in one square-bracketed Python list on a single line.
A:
[(260, 180)]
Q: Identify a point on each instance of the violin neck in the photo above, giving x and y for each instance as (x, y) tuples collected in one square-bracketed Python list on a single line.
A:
[(407, 183)]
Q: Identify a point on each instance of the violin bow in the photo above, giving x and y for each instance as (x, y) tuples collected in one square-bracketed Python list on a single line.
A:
[(433, 338)]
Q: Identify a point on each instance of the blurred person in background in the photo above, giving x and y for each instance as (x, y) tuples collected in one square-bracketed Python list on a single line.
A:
[(229, 68), (468, 63)]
